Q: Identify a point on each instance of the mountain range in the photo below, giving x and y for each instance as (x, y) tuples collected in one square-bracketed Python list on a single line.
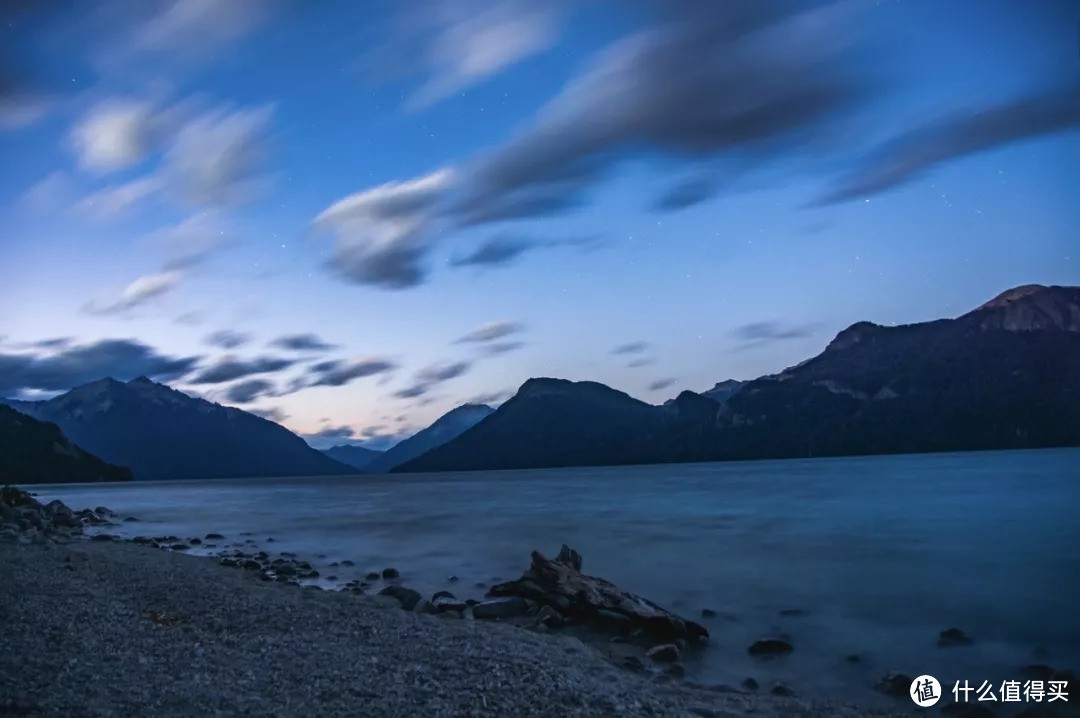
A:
[(160, 433), (1005, 375), (33, 451)]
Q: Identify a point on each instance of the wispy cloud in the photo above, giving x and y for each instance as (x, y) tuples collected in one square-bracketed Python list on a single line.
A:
[(302, 343), (491, 332), (139, 292), (231, 368)]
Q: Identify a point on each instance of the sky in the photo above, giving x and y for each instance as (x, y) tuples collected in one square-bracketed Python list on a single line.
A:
[(351, 217)]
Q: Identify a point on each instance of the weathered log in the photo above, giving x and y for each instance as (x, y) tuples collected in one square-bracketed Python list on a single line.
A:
[(559, 583)]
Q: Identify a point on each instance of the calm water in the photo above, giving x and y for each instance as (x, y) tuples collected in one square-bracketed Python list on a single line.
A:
[(880, 553)]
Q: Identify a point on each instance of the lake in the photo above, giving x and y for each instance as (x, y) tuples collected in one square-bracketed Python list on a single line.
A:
[(866, 555)]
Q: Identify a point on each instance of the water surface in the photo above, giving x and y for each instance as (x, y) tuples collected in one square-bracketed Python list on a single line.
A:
[(873, 555)]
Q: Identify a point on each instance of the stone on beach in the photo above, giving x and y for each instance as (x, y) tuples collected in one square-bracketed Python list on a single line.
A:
[(407, 597), (768, 647), (559, 583), (507, 607), (665, 653)]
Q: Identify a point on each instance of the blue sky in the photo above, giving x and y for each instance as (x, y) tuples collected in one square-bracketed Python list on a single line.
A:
[(355, 216)]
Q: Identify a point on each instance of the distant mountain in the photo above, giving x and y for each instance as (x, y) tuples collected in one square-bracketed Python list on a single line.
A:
[(724, 390), (446, 428), (160, 433), (33, 451), (1006, 375), (355, 456), (549, 423)]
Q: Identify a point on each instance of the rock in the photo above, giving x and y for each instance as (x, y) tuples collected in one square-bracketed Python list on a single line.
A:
[(453, 579), (632, 663), (548, 616), (895, 684), (781, 690), (373, 576), (501, 608), (251, 565), (130, 519), (769, 647), (561, 584), (102, 511), (195, 541), (853, 658), (952, 637), (390, 573), (180, 547), (675, 670), (285, 569), (423, 606), (665, 653), (347, 562), (230, 562), (102, 537), (708, 613), (750, 684), (213, 536), (407, 597), (446, 601)]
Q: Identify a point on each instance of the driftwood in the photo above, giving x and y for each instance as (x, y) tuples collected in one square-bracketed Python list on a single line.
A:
[(560, 584)]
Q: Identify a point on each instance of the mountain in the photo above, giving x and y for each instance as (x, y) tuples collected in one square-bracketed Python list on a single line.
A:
[(724, 390), (160, 433), (355, 456), (1005, 375), (33, 451), (549, 423), (446, 428)]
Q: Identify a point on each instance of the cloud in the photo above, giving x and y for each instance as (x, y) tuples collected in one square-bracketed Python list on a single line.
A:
[(687, 193), (231, 368), (491, 398), (772, 331), (732, 80), (412, 391), (494, 252), (384, 233), (631, 348), (468, 48), (639, 363), (52, 194), (192, 239), (497, 348), (121, 359), (21, 110), (227, 339), (216, 156), (272, 413), (115, 134), (438, 373), (302, 343), (338, 372), (491, 331), (247, 391), (139, 292), (111, 202), (195, 29), (909, 156), (191, 319), (660, 384)]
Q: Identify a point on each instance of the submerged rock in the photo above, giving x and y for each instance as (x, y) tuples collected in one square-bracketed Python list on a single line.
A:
[(769, 647), (895, 684), (953, 637), (781, 690), (390, 573), (665, 653)]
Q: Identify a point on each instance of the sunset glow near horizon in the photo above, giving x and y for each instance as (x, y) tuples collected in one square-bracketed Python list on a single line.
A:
[(352, 217)]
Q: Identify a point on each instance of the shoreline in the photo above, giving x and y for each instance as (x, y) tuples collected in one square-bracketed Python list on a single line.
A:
[(104, 629), (101, 627)]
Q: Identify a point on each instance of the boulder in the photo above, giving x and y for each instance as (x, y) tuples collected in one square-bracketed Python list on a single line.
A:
[(952, 637), (506, 607), (390, 573), (665, 653), (559, 583), (407, 597), (781, 690), (895, 684)]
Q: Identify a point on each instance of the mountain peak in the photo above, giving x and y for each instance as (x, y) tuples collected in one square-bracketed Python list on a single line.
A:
[(1032, 307)]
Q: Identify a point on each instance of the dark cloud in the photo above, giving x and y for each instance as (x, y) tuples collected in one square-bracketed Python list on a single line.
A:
[(412, 392), (339, 372), (687, 193), (715, 79), (231, 368), (438, 373), (909, 156), (772, 331), (302, 343), (121, 359), (333, 432), (491, 398), (271, 414), (497, 348), (494, 252), (247, 391), (639, 363), (661, 384), (631, 348), (491, 332), (227, 339)]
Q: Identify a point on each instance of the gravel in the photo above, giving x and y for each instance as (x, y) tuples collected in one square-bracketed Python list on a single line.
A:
[(114, 629)]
